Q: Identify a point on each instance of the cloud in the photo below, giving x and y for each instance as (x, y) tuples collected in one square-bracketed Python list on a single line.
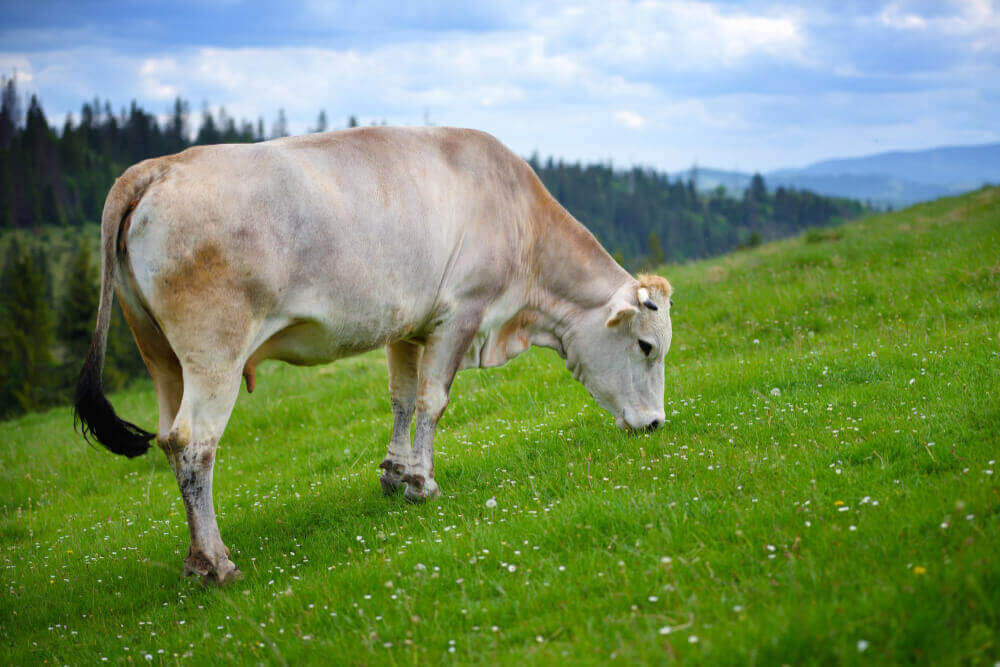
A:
[(751, 84), (968, 18), (893, 16), (629, 119)]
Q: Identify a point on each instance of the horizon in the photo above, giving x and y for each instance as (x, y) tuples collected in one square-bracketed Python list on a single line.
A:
[(195, 116), (637, 84)]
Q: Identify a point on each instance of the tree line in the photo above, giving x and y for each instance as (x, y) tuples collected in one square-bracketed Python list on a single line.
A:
[(53, 184), (48, 306), (647, 219), (50, 177)]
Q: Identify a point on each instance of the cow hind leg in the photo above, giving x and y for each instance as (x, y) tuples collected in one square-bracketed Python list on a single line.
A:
[(403, 359), (205, 407), (162, 364)]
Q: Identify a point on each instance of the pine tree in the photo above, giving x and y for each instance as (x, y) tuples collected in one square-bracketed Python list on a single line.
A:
[(26, 334), (654, 251), (208, 133), (176, 132), (124, 361), (10, 111), (7, 210), (53, 212), (758, 191), (321, 122), (246, 132), (280, 127), (227, 127), (78, 309)]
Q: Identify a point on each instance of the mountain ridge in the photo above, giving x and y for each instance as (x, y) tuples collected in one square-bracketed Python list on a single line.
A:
[(891, 178)]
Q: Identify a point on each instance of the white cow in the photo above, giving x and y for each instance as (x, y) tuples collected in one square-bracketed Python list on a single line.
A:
[(437, 243)]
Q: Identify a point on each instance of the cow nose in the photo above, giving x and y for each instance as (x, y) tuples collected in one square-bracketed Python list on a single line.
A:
[(653, 425)]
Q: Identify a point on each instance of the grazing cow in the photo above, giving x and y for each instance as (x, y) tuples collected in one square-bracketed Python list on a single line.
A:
[(437, 243)]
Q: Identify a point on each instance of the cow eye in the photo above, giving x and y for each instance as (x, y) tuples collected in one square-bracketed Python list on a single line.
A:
[(645, 347)]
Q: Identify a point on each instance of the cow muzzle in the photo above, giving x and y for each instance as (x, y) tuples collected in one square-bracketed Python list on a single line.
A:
[(640, 420)]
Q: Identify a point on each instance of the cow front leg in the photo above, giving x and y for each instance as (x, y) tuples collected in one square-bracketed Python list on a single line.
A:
[(403, 359), (442, 355)]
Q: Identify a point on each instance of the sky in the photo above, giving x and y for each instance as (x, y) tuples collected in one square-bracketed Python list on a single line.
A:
[(661, 83)]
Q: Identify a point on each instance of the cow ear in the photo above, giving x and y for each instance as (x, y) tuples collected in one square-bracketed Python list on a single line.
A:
[(621, 314)]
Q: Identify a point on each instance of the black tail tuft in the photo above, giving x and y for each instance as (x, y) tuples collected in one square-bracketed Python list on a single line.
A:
[(97, 418)]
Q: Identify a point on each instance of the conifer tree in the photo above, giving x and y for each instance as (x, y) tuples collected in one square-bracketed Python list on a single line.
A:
[(26, 334), (654, 251), (124, 361), (7, 211), (208, 133), (280, 127), (321, 122), (10, 111), (78, 308)]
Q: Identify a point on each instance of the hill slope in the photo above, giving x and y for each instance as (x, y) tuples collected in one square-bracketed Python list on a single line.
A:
[(825, 491)]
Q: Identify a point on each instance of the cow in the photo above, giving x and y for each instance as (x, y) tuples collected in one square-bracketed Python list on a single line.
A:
[(438, 244)]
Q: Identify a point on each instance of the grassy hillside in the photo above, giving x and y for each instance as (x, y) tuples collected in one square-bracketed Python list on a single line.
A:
[(825, 491)]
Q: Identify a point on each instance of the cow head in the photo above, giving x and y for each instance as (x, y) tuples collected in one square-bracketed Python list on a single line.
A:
[(617, 352)]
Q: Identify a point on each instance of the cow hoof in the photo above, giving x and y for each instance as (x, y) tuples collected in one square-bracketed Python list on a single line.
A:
[(222, 572), (392, 478), (390, 483), (419, 489)]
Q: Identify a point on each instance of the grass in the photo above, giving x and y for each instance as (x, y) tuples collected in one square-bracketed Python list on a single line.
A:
[(825, 490)]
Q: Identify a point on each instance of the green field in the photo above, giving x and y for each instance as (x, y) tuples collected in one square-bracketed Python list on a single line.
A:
[(825, 490)]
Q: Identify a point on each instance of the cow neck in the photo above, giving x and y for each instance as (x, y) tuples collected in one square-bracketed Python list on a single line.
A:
[(572, 274)]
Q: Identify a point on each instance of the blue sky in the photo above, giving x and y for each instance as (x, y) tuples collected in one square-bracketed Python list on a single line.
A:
[(746, 85)]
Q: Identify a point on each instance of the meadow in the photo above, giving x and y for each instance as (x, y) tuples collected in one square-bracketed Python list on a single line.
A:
[(824, 491)]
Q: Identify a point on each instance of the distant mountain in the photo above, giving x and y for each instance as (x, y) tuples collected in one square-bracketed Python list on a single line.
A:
[(709, 179), (951, 166), (878, 189), (895, 178)]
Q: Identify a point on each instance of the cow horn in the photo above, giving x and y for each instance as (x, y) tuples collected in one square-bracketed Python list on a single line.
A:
[(644, 299)]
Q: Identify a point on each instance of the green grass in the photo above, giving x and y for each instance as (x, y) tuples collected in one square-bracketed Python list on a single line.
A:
[(826, 482)]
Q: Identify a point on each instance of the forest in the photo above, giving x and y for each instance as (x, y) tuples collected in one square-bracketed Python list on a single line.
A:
[(53, 182)]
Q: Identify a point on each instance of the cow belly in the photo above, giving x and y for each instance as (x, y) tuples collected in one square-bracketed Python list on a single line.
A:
[(302, 344), (320, 340)]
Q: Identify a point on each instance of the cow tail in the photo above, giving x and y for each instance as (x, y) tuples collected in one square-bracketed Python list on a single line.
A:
[(92, 411)]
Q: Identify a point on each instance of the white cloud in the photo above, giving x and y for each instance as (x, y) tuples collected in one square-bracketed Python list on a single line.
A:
[(629, 119), (580, 80), (978, 20), (657, 34), (893, 16), (18, 66)]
